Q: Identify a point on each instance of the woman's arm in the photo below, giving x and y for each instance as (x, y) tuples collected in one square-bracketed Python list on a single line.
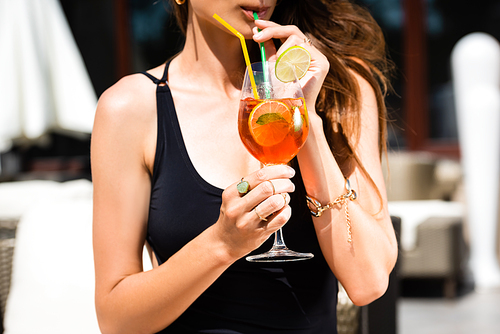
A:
[(129, 300), (363, 266)]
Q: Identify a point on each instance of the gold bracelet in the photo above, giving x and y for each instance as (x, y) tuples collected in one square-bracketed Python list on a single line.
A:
[(317, 209)]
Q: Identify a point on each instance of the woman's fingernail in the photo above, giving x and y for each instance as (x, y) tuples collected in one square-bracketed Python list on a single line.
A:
[(292, 171), (257, 35)]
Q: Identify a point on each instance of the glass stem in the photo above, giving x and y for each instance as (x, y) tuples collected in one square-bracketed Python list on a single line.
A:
[(279, 243)]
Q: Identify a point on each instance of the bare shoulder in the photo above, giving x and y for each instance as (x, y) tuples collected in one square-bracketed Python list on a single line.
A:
[(131, 98), (369, 109), (125, 120), (367, 143)]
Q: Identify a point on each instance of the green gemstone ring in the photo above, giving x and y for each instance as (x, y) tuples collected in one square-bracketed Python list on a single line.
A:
[(243, 187)]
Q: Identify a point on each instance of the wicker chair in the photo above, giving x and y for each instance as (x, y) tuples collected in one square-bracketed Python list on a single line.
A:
[(52, 286), (7, 236), (440, 253), (427, 193)]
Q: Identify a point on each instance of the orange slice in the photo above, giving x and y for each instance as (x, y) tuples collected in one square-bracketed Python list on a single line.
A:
[(269, 122)]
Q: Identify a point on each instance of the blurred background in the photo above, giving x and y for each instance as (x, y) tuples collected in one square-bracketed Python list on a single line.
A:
[(79, 48)]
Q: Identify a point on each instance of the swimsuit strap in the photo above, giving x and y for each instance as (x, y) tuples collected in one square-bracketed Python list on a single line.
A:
[(157, 81), (154, 79)]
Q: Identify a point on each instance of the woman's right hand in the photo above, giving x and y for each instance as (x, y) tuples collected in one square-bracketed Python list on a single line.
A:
[(291, 35), (240, 226)]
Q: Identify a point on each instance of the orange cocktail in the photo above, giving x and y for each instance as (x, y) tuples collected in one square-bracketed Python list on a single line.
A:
[(273, 130), (272, 121), (273, 125)]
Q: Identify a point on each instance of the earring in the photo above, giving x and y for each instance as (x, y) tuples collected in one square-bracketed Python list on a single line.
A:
[(180, 2)]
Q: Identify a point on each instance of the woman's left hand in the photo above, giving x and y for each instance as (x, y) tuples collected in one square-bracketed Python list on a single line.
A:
[(291, 36)]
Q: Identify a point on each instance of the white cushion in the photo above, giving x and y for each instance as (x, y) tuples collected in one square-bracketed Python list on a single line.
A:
[(413, 213), (17, 197), (52, 288)]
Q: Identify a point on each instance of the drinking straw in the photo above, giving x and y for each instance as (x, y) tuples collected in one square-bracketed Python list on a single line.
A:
[(264, 61), (245, 52)]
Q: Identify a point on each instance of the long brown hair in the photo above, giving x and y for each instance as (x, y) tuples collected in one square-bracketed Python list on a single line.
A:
[(353, 42)]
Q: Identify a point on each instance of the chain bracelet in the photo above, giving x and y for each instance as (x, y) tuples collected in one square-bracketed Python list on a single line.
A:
[(317, 209)]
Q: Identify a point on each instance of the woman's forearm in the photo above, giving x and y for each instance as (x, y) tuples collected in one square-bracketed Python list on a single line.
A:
[(147, 302), (364, 264)]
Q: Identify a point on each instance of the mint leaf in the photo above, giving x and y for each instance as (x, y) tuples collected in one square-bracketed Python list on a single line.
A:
[(269, 118)]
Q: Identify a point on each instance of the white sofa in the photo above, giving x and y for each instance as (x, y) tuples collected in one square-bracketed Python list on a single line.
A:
[(51, 290), (52, 285)]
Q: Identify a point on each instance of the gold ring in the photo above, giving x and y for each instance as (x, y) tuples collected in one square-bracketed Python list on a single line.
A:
[(272, 185), (284, 196), (260, 217), (243, 187)]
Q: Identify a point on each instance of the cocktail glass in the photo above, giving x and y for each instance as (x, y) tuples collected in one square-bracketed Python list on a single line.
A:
[(273, 125)]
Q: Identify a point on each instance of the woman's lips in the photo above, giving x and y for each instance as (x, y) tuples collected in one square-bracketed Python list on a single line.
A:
[(261, 12)]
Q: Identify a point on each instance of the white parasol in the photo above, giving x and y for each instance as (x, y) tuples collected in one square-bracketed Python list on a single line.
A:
[(44, 84)]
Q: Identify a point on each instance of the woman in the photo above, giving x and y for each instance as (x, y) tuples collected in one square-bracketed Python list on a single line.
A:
[(166, 159)]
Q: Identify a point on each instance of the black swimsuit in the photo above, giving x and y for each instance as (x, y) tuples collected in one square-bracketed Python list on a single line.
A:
[(293, 297)]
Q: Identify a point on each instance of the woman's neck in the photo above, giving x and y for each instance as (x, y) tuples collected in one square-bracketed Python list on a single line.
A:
[(212, 56)]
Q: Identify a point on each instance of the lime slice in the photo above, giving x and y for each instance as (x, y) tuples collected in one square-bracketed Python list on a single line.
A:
[(294, 59)]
